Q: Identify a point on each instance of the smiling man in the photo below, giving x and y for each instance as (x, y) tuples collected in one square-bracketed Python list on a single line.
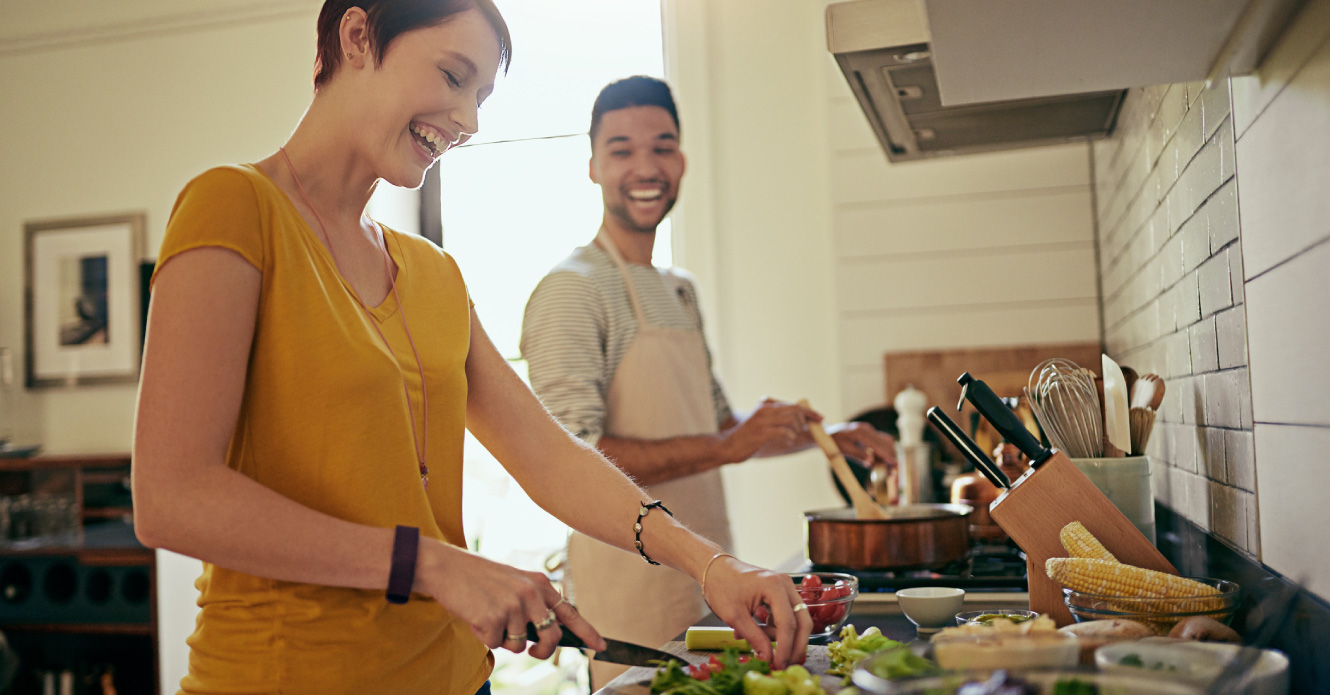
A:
[(616, 352)]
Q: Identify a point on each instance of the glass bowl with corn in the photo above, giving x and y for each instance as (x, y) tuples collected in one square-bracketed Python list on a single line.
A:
[(1189, 596), (1098, 587)]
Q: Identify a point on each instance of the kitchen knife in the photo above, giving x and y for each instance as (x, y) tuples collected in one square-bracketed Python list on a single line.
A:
[(967, 446), (617, 652), (1005, 421), (1117, 425)]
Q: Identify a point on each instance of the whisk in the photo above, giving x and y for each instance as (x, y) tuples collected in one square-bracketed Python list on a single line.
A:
[(1065, 399)]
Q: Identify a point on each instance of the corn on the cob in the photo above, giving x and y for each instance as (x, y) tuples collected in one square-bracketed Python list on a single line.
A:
[(1079, 542), (1106, 578)]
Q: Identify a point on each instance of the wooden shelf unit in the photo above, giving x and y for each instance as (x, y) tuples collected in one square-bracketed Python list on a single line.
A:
[(89, 598)]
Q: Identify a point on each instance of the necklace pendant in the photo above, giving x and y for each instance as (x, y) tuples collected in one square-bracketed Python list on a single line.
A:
[(424, 474)]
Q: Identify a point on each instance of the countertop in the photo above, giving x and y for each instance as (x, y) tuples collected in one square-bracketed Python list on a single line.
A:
[(870, 610)]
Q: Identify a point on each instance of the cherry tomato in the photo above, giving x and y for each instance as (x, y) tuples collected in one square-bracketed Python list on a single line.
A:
[(762, 615), (811, 581), (812, 594)]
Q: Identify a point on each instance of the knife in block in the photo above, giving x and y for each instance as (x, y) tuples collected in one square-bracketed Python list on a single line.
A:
[(1052, 494)]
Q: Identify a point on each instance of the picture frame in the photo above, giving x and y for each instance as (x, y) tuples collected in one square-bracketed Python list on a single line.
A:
[(82, 294)]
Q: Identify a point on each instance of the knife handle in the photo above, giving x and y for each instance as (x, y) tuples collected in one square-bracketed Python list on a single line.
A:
[(1005, 421), (967, 446), (566, 639)]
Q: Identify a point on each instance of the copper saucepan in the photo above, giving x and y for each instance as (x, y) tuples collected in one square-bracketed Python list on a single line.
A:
[(913, 536)]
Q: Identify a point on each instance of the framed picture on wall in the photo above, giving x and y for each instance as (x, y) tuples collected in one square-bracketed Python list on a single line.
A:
[(82, 300)]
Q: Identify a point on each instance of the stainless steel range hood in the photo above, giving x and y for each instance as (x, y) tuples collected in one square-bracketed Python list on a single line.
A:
[(883, 48)]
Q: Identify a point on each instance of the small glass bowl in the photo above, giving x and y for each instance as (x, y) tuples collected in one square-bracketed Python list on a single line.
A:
[(987, 617), (1160, 614), (829, 613)]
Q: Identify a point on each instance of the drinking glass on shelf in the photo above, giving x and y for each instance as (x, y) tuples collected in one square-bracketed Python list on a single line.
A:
[(4, 521), (20, 517)]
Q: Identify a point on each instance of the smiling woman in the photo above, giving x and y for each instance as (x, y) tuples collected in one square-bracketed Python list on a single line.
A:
[(307, 378)]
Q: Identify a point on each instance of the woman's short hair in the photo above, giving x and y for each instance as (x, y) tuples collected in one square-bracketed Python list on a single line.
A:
[(638, 90), (388, 19)]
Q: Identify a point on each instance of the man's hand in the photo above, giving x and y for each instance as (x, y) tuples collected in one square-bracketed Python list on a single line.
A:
[(856, 439), (773, 428)]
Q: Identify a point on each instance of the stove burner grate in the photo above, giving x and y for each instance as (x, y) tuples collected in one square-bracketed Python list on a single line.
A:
[(986, 568)]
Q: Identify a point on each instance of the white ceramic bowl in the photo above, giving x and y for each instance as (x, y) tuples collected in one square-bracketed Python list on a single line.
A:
[(931, 607), (1194, 662)]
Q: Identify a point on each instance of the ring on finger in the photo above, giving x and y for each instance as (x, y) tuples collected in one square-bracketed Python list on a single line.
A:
[(563, 601), (548, 621), (513, 638), (800, 607)]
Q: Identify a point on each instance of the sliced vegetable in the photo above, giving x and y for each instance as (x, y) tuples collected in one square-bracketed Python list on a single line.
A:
[(713, 639), (732, 673), (756, 683), (897, 662), (724, 674)]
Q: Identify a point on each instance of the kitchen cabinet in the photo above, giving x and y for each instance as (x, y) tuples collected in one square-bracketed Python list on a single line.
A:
[(77, 595)]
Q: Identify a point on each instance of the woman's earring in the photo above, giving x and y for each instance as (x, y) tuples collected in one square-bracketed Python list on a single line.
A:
[(349, 56)]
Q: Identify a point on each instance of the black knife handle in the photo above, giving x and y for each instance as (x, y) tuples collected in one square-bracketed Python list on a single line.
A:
[(967, 446), (1005, 421), (566, 639)]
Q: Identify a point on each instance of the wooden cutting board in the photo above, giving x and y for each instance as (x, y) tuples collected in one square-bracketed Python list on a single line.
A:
[(637, 680)]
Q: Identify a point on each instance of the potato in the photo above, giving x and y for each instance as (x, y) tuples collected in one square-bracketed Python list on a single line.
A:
[(1204, 629)]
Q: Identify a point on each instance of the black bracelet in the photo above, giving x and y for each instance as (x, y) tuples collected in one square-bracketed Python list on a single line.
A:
[(637, 527), (403, 574)]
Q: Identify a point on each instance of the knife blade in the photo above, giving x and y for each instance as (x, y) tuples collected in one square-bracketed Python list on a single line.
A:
[(1117, 427), (617, 651), (1005, 421), (967, 446)]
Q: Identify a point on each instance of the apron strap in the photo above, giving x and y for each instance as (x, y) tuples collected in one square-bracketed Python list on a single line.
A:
[(607, 245)]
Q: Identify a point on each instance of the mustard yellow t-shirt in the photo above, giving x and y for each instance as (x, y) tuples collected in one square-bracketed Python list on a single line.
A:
[(324, 421)]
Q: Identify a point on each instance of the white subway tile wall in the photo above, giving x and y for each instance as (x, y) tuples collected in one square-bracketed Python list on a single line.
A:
[(1169, 245), (1214, 235)]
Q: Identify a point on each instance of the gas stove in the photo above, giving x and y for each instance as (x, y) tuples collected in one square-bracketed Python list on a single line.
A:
[(998, 569)]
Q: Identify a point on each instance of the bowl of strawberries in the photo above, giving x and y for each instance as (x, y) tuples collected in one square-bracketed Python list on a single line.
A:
[(828, 596)]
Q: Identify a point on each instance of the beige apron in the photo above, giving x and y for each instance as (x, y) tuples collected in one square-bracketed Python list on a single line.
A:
[(661, 389)]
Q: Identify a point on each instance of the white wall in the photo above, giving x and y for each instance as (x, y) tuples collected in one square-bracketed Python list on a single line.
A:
[(749, 83), (982, 250), (815, 255), (1281, 120), (119, 119)]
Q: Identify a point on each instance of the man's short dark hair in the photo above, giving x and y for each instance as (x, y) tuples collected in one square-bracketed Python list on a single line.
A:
[(638, 90)]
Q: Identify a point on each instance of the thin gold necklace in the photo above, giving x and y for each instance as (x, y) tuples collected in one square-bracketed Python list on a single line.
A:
[(421, 447)]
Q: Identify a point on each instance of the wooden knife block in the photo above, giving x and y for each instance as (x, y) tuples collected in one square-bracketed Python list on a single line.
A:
[(1047, 498)]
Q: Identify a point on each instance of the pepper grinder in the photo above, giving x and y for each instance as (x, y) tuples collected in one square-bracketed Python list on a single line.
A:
[(911, 451)]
